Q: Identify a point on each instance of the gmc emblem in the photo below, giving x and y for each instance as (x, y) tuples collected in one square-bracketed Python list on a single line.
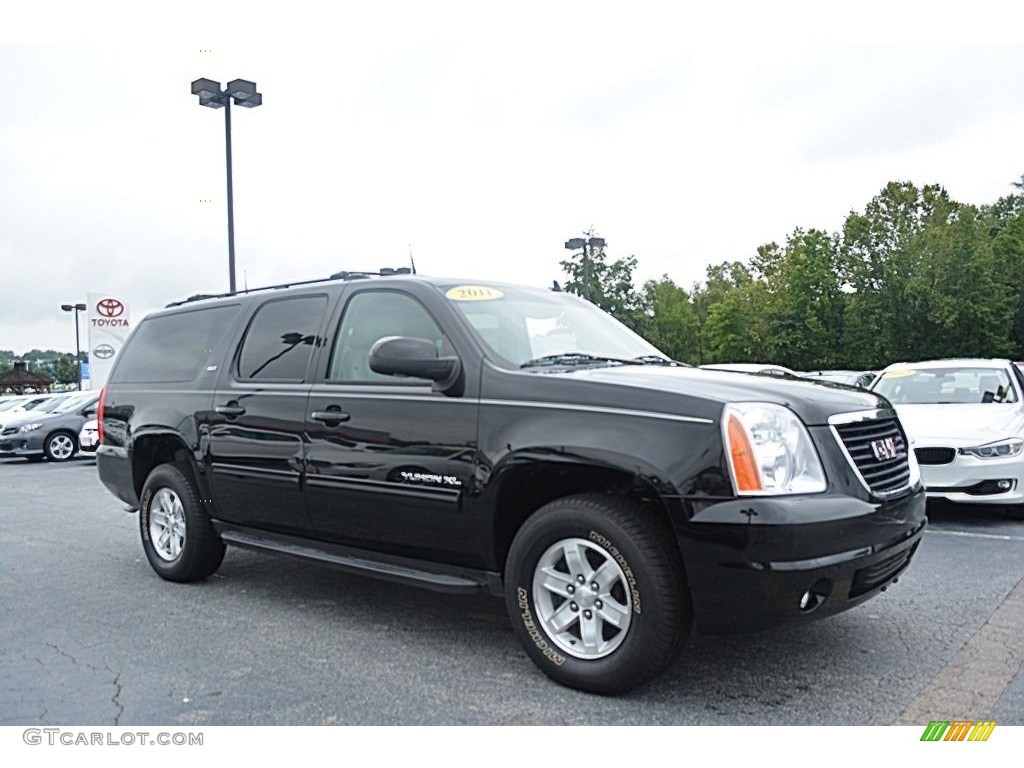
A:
[(885, 448)]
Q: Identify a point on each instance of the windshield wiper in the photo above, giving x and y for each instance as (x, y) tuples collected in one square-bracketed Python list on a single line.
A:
[(659, 360), (576, 358)]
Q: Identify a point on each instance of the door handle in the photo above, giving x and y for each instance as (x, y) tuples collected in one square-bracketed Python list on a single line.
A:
[(333, 414), (230, 410)]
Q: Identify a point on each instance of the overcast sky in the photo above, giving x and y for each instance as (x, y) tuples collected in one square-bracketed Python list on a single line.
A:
[(483, 135)]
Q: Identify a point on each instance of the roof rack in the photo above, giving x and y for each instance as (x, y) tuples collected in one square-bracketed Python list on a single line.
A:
[(344, 275)]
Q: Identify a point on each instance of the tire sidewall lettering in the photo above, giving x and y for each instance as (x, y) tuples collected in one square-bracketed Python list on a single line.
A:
[(535, 632), (612, 550)]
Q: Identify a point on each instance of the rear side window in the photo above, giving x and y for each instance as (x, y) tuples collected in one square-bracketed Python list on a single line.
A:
[(173, 348), (281, 338)]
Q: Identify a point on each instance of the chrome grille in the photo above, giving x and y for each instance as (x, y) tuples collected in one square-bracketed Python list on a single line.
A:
[(882, 474)]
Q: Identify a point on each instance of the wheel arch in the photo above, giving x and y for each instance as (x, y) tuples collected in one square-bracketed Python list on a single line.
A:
[(524, 487), (153, 449)]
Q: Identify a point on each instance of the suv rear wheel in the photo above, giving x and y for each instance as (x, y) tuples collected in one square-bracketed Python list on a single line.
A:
[(596, 593), (177, 536)]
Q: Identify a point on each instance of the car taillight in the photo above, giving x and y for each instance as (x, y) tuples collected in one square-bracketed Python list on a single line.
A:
[(99, 416)]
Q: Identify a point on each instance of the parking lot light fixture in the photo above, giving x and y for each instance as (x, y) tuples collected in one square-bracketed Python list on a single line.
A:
[(76, 308), (244, 94), (575, 244)]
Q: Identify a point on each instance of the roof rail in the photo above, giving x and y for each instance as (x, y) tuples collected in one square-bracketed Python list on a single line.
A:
[(344, 275)]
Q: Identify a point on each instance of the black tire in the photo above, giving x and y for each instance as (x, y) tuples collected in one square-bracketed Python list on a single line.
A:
[(188, 549), (636, 551), (60, 446)]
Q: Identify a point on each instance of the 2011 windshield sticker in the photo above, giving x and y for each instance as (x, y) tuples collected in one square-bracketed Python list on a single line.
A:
[(473, 293)]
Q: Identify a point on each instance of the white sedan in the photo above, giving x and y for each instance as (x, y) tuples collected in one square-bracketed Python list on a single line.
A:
[(965, 420)]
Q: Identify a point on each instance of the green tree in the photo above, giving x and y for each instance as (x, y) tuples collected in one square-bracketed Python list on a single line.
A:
[(670, 321)]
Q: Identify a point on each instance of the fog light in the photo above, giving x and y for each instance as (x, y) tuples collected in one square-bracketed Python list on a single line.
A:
[(816, 595), (1004, 485)]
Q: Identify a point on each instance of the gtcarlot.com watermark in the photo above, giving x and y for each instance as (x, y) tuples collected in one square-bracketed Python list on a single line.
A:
[(68, 738)]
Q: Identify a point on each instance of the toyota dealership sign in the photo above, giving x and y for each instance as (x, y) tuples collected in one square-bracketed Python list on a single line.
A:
[(109, 324)]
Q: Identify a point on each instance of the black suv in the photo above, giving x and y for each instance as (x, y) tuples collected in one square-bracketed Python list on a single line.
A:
[(485, 437)]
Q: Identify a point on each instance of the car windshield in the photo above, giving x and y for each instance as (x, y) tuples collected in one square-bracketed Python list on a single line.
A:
[(946, 385), (75, 403), (8, 403), (537, 327), (48, 406)]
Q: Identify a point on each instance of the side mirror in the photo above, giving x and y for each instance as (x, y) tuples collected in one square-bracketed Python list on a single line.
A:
[(410, 356), (90, 412)]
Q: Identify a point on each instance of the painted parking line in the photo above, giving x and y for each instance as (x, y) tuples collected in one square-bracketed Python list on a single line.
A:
[(971, 535)]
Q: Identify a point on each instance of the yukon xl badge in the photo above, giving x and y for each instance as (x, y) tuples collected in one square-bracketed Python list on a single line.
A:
[(885, 448)]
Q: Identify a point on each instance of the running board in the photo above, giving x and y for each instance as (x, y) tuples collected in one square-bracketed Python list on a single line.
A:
[(403, 570)]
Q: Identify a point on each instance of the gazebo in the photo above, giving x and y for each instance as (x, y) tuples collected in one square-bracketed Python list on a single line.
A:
[(20, 378)]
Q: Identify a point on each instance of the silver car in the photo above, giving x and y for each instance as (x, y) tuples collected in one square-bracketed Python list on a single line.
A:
[(52, 434)]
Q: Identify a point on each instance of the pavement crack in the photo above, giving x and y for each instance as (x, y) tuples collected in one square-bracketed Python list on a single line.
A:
[(116, 698)]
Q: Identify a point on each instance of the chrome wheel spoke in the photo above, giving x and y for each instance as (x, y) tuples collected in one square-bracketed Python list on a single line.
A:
[(590, 633), (606, 575), (557, 582), (576, 560), (564, 617), (613, 612)]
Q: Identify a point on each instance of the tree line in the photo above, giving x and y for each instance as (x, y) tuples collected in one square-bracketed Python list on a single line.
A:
[(916, 275)]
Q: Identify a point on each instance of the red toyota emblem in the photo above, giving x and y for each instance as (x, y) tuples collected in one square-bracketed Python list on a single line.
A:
[(109, 307)]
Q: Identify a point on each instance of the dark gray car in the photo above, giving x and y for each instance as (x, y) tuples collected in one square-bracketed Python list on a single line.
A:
[(54, 434)]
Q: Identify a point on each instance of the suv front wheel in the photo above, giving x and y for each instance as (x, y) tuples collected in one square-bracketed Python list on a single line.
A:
[(596, 593), (177, 536)]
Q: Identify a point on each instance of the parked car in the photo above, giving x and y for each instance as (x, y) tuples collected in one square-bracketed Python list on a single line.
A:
[(53, 434), (965, 419), (860, 379), (89, 438), (765, 368), (7, 403), (32, 404), (482, 437)]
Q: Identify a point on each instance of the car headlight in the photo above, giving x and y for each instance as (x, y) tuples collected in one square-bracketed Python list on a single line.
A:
[(998, 450), (31, 427), (770, 451)]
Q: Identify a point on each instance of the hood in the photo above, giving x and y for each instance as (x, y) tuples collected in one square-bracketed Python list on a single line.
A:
[(956, 425), (812, 401)]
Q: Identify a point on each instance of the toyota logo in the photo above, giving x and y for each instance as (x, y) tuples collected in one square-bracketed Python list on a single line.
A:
[(109, 307), (103, 352)]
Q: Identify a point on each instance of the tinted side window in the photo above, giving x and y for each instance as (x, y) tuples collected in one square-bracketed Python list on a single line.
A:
[(173, 348), (370, 316), (281, 338)]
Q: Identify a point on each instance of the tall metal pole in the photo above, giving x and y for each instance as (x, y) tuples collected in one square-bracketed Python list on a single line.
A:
[(231, 206), (78, 353), (586, 273)]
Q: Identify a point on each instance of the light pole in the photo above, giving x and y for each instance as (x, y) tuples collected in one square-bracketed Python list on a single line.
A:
[(210, 95), (76, 308), (575, 244)]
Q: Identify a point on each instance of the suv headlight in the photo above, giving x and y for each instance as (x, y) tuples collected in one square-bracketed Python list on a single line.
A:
[(770, 451), (998, 450), (31, 427)]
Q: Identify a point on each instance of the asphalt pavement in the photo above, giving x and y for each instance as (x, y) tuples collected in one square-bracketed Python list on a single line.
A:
[(91, 636)]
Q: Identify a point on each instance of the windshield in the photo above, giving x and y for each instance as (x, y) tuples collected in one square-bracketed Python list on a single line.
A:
[(946, 385), (524, 325), (74, 403), (48, 406), (7, 403)]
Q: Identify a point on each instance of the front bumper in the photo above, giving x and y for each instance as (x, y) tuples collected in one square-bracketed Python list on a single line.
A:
[(21, 445), (970, 480), (757, 563)]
